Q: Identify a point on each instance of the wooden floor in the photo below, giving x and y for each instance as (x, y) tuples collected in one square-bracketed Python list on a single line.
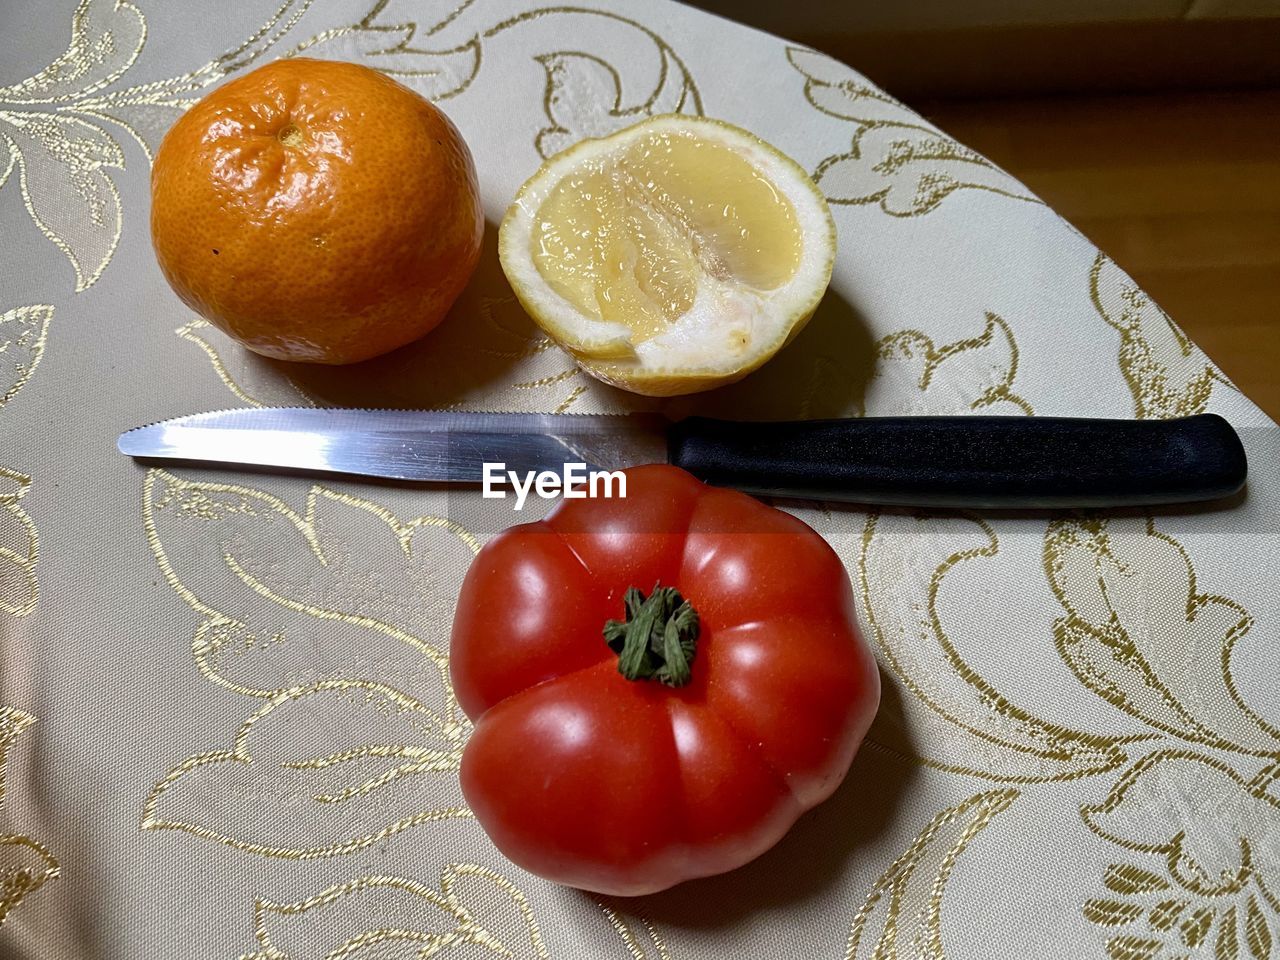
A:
[(1182, 190)]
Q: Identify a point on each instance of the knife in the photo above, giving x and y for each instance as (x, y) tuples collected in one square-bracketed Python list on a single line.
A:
[(997, 462)]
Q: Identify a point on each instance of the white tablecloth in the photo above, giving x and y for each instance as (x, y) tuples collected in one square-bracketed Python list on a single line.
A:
[(1080, 736)]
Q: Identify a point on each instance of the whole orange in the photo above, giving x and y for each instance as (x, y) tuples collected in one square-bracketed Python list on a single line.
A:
[(316, 211)]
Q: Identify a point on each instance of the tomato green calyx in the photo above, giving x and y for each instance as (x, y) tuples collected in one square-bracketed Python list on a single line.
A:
[(657, 639)]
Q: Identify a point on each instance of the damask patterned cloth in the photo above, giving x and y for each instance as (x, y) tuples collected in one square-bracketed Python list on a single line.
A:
[(227, 727)]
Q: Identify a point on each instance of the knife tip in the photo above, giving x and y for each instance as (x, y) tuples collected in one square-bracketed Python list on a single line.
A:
[(131, 442)]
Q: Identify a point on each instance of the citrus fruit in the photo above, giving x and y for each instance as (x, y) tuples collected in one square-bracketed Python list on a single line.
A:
[(673, 256), (316, 211)]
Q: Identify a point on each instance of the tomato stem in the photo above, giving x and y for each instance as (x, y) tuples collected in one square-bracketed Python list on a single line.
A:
[(657, 639)]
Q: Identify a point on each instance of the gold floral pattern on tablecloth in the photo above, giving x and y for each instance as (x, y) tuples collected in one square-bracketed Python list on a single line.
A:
[(25, 863), (902, 916), (1168, 664), (368, 916), (58, 152), (585, 95), (330, 622), (640, 936), (253, 381), (19, 547), (1168, 375), (895, 159), (23, 331), (915, 376), (318, 622), (1212, 892), (1201, 829), (954, 719), (1138, 632)]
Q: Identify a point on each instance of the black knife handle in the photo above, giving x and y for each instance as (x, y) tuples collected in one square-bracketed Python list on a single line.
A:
[(969, 461)]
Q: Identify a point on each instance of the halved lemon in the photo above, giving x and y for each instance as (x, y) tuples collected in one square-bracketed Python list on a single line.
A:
[(673, 256)]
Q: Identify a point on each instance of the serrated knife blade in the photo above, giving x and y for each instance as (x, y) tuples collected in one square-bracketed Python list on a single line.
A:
[(442, 446)]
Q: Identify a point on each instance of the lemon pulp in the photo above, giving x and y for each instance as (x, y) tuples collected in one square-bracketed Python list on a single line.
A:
[(632, 236)]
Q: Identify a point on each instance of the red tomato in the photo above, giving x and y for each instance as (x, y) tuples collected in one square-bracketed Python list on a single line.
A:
[(628, 786)]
